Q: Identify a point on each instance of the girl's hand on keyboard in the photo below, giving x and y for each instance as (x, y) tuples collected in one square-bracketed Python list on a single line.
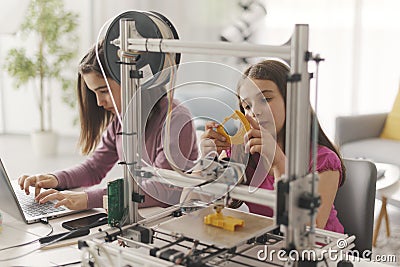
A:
[(72, 200), (38, 181)]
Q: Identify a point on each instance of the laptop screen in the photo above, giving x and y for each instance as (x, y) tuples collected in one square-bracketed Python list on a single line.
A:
[(8, 199)]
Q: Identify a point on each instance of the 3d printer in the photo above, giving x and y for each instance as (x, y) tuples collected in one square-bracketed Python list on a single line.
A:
[(142, 48)]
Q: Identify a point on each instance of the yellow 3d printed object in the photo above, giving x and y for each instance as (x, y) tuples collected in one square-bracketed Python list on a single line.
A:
[(225, 222), (238, 137)]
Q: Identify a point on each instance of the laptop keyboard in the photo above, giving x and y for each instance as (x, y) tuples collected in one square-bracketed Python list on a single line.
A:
[(32, 208)]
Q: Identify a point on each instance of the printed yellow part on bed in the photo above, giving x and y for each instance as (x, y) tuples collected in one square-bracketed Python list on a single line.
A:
[(238, 137), (225, 222)]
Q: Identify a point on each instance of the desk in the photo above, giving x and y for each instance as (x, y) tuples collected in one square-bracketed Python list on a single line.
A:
[(16, 232), (388, 188)]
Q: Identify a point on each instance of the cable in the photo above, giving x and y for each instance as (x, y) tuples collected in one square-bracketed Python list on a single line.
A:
[(30, 242), (170, 97), (54, 241), (65, 264), (36, 249), (103, 72), (208, 155), (314, 145)]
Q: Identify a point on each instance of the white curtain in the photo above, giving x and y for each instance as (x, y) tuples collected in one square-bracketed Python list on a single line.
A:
[(360, 41)]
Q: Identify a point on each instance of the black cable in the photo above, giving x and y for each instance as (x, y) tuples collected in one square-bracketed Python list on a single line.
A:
[(33, 241), (55, 240), (66, 264), (55, 265)]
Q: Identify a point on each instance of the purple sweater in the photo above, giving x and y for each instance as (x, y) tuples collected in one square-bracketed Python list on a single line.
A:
[(182, 145), (326, 160)]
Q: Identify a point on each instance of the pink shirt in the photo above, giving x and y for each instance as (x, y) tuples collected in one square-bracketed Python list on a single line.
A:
[(109, 152), (327, 160)]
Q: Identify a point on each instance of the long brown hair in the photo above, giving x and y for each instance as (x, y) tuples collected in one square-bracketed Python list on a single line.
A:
[(93, 119), (277, 72)]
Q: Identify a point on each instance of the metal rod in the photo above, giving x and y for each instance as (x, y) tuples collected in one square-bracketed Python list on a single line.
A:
[(314, 145), (135, 257), (297, 147), (129, 126), (208, 48), (136, 243), (241, 192), (260, 196)]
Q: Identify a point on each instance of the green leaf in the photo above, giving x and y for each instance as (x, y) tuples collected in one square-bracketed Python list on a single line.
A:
[(19, 66), (54, 29)]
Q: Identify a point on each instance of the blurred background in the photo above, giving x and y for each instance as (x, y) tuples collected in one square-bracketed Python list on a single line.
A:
[(359, 40)]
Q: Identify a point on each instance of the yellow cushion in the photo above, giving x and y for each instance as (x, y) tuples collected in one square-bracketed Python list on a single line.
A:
[(391, 130)]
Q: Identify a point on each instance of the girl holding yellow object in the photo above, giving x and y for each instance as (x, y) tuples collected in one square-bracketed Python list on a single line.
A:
[(262, 98)]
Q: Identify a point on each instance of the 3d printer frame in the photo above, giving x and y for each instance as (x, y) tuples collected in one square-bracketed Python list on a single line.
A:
[(298, 111), (297, 185)]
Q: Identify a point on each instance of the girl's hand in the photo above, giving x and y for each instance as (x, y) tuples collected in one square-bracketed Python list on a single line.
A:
[(38, 181), (260, 140), (72, 200), (212, 140)]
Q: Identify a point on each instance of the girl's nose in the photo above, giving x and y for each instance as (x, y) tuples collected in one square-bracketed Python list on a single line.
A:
[(100, 101), (257, 111)]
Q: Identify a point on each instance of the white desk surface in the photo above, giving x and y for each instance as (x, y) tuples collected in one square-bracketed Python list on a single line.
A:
[(16, 232), (389, 185), (390, 177)]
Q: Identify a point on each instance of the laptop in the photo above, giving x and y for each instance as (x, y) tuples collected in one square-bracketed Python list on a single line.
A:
[(18, 204)]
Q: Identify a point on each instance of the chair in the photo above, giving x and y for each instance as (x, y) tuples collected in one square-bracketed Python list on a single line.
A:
[(358, 136), (355, 202)]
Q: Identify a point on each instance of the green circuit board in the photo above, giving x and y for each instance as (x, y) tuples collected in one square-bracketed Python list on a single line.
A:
[(115, 193)]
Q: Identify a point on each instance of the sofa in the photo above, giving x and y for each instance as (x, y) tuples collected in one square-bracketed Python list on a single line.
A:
[(358, 136)]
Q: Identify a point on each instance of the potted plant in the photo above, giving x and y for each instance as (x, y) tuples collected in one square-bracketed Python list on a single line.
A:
[(52, 45)]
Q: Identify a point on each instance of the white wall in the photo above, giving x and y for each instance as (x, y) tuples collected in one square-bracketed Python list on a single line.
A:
[(358, 38)]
